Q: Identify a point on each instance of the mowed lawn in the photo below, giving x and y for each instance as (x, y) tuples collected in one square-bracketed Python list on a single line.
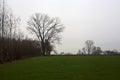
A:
[(63, 68)]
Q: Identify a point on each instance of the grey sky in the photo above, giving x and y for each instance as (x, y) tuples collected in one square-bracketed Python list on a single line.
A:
[(97, 20)]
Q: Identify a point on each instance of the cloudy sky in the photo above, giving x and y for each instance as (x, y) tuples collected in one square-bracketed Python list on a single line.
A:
[(97, 20)]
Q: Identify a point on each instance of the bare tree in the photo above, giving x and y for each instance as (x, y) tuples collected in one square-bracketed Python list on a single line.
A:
[(4, 15), (13, 23), (83, 50), (97, 50), (2, 27), (89, 46), (7, 23), (45, 28), (79, 52)]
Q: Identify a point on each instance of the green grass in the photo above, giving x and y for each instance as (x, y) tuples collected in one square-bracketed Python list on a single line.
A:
[(63, 68)]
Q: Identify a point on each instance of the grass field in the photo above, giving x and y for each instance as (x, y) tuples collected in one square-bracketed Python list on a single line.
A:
[(63, 68)]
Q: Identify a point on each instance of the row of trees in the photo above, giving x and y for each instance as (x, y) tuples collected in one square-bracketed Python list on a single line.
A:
[(14, 45), (91, 49)]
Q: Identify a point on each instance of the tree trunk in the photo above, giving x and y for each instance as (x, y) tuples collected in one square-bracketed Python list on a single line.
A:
[(43, 49), (1, 53)]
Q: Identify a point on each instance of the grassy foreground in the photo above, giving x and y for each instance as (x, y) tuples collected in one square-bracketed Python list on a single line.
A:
[(63, 68)]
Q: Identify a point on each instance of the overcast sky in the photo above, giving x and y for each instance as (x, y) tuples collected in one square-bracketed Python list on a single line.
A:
[(97, 20)]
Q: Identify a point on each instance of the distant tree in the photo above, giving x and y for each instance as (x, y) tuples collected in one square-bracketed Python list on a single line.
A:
[(46, 29), (55, 52), (94, 51), (111, 52), (115, 51), (79, 52), (68, 53), (89, 45), (97, 50), (83, 50), (62, 53)]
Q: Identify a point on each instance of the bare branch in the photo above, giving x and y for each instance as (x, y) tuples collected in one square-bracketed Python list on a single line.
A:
[(45, 28)]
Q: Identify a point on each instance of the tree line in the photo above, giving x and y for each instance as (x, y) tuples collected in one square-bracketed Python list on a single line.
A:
[(14, 44), (91, 49)]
